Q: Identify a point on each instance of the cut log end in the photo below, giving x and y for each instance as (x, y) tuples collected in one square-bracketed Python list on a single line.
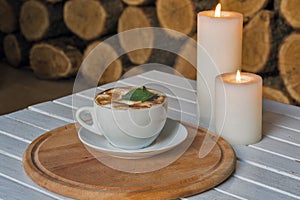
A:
[(182, 66), (178, 15), (12, 50), (16, 50), (111, 73), (51, 62), (85, 19), (91, 19), (34, 20), (275, 95), (41, 20), (289, 65), (289, 9), (257, 42), (135, 17), (247, 7), (8, 15), (273, 88), (132, 71), (185, 69)]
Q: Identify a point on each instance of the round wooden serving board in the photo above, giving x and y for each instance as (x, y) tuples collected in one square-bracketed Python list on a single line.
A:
[(59, 162)]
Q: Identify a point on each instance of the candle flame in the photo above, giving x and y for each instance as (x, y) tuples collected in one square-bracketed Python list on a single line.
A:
[(238, 76), (218, 10)]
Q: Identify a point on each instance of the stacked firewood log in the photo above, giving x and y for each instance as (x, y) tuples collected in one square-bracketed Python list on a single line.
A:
[(54, 36)]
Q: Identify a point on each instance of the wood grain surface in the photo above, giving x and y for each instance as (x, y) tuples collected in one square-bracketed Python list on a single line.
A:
[(59, 162)]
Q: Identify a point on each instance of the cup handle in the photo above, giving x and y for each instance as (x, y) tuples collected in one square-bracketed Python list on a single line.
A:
[(91, 127)]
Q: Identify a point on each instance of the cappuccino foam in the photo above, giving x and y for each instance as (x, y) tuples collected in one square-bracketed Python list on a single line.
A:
[(112, 98)]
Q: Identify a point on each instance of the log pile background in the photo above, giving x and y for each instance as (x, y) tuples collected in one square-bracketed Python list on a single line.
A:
[(54, 36)]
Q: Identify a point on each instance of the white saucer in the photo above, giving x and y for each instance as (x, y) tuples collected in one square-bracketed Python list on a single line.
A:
[(172, 135)]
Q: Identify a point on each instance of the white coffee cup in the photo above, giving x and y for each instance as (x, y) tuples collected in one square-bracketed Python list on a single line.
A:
[(126, 128)]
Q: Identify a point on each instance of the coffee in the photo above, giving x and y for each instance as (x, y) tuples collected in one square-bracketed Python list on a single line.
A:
[(114, 98)]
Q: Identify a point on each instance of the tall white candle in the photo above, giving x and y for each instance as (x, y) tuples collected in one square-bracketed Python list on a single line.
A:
[(219, 51), (238, 107)]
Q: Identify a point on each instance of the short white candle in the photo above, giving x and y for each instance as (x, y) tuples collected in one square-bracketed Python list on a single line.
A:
[(219, 51), (238, 107)]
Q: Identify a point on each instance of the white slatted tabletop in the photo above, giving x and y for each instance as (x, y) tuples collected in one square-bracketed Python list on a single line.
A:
[(269, 169)]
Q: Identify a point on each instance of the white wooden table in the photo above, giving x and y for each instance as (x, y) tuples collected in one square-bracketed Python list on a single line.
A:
[(269, 169)]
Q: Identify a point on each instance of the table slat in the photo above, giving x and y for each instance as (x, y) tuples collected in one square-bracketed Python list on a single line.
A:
[(14, 191), (248, 190), (170, 79), (286, 150), (268, 161), (36, 119), (12, 147), (88, 93), (54, 110), (74, 101), (276, 182), (281, 108), (282, 121), (18, 130), (212, 194), (282, 134), (18, 174)]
